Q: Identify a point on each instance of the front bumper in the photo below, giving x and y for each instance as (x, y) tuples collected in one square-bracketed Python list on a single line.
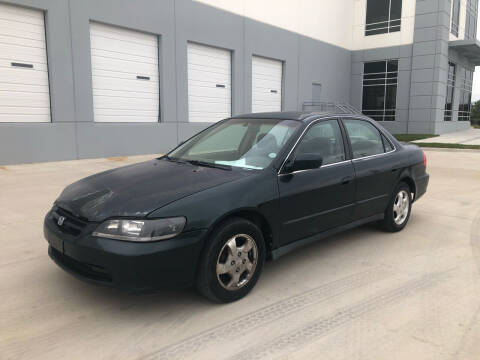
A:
[(130, 266)]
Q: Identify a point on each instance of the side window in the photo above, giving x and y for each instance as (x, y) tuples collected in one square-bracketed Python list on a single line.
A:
[(324, 139), (386, 144), (364, 137)]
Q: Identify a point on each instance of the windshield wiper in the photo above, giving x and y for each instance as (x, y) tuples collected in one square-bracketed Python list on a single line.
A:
[(209, 164), (197, 163), (173, 159)]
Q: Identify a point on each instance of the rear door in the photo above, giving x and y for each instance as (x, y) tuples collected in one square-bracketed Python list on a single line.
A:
[(375, 166), (313, 201)]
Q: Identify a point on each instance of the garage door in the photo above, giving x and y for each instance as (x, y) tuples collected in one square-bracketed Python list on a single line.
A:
[(266, 84), (24, 91), (124, 74), (209, 83)]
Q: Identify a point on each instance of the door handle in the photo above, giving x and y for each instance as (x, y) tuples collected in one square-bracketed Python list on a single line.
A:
[(346, 180), (22, 65)]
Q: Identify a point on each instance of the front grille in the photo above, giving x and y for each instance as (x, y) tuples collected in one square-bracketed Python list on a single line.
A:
[(89, 271), (71, 224)]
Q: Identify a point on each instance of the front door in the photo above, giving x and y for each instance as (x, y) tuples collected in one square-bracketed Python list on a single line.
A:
[(315, 200)]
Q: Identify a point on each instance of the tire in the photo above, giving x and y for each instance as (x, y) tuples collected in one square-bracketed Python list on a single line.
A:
[(238, 248), (396, 218)]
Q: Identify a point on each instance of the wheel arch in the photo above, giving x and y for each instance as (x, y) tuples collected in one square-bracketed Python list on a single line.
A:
[(407, 179), (255, 216)]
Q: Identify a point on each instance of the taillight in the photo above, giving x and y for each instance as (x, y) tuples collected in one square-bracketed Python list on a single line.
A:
[(424, 160)]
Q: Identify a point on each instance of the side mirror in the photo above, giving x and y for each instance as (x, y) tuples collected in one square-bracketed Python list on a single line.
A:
[(304, 161)]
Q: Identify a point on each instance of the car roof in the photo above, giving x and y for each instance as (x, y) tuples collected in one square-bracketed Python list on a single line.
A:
[(332, 110), (292, 115)]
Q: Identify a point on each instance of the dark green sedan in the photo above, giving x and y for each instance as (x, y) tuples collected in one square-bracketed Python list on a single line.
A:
[(246, 189)]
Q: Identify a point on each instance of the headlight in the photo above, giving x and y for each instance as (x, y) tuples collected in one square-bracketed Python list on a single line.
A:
[(141, 230)]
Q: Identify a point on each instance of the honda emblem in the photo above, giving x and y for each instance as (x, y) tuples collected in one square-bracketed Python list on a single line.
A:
[(60, 221)]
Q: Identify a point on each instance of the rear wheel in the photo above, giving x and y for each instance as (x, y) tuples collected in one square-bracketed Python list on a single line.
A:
[(232, 261), (399, 208)]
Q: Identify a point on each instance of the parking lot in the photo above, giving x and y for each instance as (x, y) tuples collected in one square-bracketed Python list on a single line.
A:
[(364, 294)]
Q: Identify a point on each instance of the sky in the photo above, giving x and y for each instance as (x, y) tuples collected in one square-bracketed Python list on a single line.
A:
[(476, 75)]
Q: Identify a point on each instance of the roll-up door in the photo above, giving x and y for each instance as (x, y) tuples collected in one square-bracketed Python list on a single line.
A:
[(209, 83), (24, 89), (124, 74), (266, 84)]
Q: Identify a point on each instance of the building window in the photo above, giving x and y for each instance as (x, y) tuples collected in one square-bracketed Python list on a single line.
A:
[(465, 98), (380, 89), (467, 27), (455, 17), (383, 16), (471, 19), (450, 91)]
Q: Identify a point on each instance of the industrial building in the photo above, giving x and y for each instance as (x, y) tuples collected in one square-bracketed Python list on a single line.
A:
[(99, 78)]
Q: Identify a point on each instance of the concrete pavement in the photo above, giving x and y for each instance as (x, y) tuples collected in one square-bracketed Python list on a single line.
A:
[(466, 137), (364, 294)]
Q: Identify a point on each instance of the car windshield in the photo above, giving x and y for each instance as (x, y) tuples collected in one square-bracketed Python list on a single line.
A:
[(244, 143)]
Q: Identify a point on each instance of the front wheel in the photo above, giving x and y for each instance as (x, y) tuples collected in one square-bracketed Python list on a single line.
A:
[(399, 208), (232, 261)]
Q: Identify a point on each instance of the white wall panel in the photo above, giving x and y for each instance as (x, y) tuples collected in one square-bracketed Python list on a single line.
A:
[(339, 22)]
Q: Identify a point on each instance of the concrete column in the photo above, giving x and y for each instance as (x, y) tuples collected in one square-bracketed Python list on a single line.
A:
[(429, 65)]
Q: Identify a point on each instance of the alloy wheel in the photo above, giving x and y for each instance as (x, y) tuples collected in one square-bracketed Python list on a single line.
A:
[(401, 207), (237, 261)]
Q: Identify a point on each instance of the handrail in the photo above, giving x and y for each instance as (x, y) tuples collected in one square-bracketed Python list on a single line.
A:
[(322, 106)]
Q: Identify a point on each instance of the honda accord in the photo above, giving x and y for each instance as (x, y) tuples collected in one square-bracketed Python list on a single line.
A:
[(246, 189)]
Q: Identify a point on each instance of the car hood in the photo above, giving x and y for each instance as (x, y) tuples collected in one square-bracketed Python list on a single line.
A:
[(139, 189)]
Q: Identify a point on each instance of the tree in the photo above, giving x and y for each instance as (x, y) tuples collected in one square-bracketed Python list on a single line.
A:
[(475, 113)]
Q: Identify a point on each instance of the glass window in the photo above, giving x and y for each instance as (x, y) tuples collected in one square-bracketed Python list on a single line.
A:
[(365, 138), (225, 139), (244, 143), (387, 145), (467, 26), (325, 139), (465, 98), (450, 91), (383, 16), (455, 17), (380, 89)]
